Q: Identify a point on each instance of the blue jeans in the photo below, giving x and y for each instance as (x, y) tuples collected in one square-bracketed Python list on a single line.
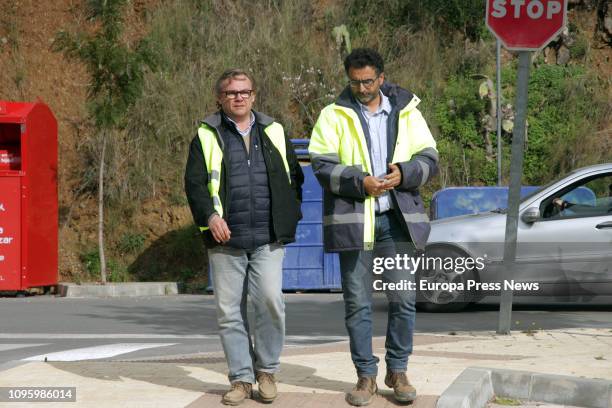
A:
[(237, 273), (357, 285)]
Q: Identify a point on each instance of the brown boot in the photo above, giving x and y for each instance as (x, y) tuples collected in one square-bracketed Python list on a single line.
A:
[(238, 393), (267, 386), (403, 391), (363, 393)]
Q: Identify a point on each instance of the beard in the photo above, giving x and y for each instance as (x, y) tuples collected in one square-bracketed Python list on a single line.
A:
[(366, 98)]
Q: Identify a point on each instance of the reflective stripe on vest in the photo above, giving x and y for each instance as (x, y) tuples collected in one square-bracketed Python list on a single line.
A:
[(213, 157)]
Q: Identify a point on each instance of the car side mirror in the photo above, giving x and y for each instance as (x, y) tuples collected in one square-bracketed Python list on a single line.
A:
[(531, 215)]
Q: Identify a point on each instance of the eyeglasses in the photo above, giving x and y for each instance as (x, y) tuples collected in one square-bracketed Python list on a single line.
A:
[(356, 83), (245, 93)]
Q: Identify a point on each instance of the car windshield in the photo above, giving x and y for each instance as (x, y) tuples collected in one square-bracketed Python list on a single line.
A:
[(536, 191), (504, 210)]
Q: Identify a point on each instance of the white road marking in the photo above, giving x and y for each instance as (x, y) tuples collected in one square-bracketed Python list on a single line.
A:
[(102, 336), (317, 338), (119, 336), (97, 352), (6, 347)]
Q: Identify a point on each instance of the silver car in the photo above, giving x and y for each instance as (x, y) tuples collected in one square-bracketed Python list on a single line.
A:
[(564, 247)]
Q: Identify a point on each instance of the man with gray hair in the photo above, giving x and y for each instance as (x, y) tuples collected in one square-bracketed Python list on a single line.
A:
[(244, 187)]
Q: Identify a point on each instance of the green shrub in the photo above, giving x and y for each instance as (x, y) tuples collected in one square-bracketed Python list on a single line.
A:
[(131, 243), (579, 49), (461, 140), (465, 16), (117, 272), (564, 110)]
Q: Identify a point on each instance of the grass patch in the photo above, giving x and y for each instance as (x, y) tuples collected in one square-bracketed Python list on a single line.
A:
[(506, 401), (131, 243), (116, 270)]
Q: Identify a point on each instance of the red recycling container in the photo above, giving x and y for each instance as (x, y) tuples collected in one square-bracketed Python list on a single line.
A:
[(28, 196)]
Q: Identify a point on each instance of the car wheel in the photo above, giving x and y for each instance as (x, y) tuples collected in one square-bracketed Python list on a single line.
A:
[(435, 284)]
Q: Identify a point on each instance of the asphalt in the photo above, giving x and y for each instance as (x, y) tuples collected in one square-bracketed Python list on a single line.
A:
[(316, 376)]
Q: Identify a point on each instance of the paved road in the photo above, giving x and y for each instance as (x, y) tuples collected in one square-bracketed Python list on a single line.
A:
[(62, 329)]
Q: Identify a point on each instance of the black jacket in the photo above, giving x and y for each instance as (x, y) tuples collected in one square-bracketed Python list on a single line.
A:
[(285, 198)]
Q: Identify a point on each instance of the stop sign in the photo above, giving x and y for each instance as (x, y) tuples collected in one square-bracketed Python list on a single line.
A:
[(526, 25)]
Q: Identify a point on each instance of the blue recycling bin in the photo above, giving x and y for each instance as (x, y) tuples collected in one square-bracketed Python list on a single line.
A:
[(306, 265)]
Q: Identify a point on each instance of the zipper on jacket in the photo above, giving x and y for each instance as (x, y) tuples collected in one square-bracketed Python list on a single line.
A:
[(247, 151), (250, 153), (253, 142)]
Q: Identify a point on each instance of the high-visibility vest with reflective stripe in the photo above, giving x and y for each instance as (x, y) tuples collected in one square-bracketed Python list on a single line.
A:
[(352, 149), (213, 156)]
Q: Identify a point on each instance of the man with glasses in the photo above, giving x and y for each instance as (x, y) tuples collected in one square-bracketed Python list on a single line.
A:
[(244, 187), (371, 150)]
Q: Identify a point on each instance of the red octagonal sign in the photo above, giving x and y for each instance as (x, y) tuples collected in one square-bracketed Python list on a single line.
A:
[(526, 25)]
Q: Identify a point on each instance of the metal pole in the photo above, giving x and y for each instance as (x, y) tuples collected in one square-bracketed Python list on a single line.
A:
[(514, 193), (499, 116)]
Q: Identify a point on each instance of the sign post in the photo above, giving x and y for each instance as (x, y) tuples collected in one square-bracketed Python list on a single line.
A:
[(524, 26), (498, 110)]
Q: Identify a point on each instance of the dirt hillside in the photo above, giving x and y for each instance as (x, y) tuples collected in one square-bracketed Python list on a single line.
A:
[(30, 69)]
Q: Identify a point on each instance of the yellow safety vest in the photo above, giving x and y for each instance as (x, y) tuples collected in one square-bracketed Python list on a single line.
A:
[(338, 131), (213, 156)]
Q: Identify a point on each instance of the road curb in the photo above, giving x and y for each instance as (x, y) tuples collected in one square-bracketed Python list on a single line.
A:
[(475, 386), (471, 389), (128, 289)]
